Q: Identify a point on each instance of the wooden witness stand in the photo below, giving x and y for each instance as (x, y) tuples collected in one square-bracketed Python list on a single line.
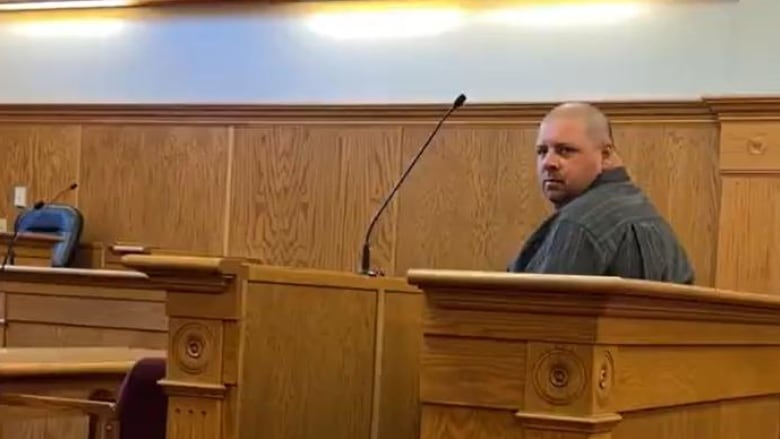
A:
[(259, 351), (511, 356)]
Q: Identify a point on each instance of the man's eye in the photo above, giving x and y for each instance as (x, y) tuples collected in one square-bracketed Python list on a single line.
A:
[(541, 150), (566, 150)]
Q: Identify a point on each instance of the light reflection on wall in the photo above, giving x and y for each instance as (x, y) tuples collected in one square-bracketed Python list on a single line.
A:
[(364, 21), (575, 14), (381, 24)]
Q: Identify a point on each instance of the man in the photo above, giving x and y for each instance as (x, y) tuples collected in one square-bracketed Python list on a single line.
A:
[(603, 224)]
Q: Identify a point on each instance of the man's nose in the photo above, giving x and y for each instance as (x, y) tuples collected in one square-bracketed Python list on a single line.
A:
[(551, 161)]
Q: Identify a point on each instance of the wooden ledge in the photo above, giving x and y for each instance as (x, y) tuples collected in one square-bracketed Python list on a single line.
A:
[(585, 285), (98, 408), (74, 272), (201, 390), (577, 424), (187, 273), (593, 296), (61, 361)]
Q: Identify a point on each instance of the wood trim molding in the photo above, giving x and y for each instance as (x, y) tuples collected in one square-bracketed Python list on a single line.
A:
[(694, 110), (751, 108), (599, 423), (220, 114)]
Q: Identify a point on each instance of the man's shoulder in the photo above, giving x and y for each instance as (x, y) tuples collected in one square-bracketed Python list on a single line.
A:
[(609, 207)]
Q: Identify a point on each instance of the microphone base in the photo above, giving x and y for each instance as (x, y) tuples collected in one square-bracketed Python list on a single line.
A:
[(371, 273)]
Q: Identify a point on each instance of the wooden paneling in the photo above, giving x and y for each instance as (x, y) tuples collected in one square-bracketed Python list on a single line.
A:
[(47, 425), (678, 375), (46, 334), (296, 185), (464, 423), (334, 332), (87, 312), (500, 366), (755, 418), (749, 234), (42, 157), (749, 242), (399, 412), (303, 195), (155, 184), (449, 215), (750, 147)]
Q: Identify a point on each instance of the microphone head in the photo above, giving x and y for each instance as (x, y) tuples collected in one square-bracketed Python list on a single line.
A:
[(73, 186), (459, 101)]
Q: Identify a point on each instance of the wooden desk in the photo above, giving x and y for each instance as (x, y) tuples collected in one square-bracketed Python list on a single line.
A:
[(30, 248), (528, 356)]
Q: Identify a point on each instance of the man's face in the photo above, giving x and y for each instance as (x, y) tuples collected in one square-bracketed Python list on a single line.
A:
[(567, 159)]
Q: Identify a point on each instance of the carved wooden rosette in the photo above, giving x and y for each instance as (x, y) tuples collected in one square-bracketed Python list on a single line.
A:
[(203, 309), (570, 390)]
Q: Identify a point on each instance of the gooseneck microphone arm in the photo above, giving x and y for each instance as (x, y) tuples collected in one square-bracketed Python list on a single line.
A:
[(365, 259)]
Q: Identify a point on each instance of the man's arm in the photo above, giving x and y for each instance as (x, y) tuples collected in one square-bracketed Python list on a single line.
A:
[(570, 249)]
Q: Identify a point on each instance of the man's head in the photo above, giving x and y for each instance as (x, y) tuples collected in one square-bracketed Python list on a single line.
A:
[(573, 147)]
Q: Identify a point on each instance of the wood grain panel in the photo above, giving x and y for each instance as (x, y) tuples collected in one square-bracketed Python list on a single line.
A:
[(667, 376), (155, 184), (42, 157), (447, 216), (460, 370), (754, 418), (334, 332), (303, 195), (3, 320), (399, 409), (447, 422), (87, 312), (677, 167), (750, 147), (22, 334), (748, 252), (33, 424)]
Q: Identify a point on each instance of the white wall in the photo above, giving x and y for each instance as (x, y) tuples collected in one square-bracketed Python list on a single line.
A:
[(255, 56)]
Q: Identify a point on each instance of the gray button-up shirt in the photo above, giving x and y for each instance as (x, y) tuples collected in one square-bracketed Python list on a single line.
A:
[(612, 229)]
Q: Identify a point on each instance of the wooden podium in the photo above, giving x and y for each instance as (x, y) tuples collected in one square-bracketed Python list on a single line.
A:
[(271, 352), (528, 356)]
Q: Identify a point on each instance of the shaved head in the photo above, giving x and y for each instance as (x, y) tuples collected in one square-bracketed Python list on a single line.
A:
[(574, 146), (597, 124)]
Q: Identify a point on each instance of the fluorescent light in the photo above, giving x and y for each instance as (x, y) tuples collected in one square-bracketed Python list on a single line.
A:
[(566, 14), (66, 4), (385, 24), (93, 28)]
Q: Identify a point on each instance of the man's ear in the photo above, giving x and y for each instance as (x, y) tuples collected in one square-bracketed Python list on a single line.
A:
[(608, 155)]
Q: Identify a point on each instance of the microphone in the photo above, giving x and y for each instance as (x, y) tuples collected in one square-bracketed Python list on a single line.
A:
[(36, 208), (365, 259)]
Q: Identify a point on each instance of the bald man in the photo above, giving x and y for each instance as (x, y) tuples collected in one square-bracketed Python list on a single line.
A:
[(603, 224)]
